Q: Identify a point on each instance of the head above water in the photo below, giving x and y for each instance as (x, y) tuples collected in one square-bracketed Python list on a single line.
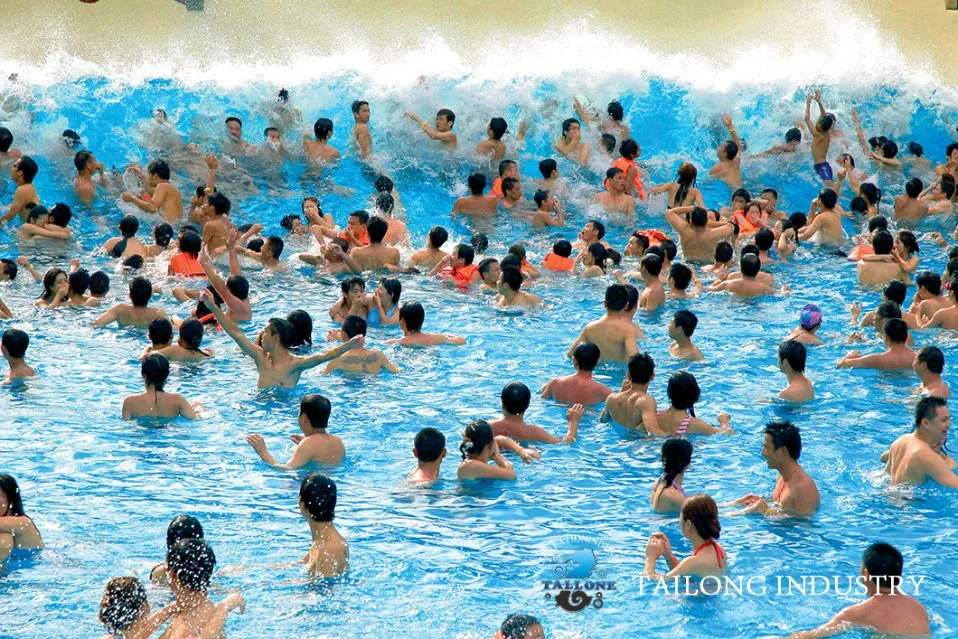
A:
[(317, 498), (515, 397), (475, 439), (190, 564)]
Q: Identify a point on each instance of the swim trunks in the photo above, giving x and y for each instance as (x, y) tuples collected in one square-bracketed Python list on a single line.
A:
[(824, 170)]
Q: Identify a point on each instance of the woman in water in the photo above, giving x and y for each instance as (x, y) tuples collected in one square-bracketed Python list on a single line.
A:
[(668, 495), (187, 348), (479, 447), (683, 191), (700, 525), (302, 328), (314, 214), (385, 308), (906, 252), (679, 419), (162, 234), (156, 402), (55, 286), (17, 530)]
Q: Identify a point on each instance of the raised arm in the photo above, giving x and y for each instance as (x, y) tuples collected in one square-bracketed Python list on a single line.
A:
[(312, 361), (674, 217), (808, 114), (861, 133), (727, 119), (232, 329)]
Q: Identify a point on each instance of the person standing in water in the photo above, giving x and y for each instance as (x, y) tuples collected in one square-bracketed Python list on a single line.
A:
[(445, 119), (165, 198), (919, 455), (328, 555), (668, 495), (315, 444), (155, 402), (361, 134), (429, 447), (17, 530), (580, 387), (821, 131)]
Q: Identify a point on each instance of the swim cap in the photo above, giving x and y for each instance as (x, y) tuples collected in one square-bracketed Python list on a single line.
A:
[(811, 316)]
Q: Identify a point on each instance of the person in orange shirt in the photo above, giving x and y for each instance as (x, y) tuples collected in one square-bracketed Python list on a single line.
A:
[(633, 180), (559, 259), (458, 267), (507, 169)]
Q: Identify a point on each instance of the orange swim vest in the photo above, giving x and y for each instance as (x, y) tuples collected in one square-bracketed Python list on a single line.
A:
[(555, 262), (497, 188), (462, 276), (654, 236), (625, 165), (186, 264), (746, 226), (860, 251)]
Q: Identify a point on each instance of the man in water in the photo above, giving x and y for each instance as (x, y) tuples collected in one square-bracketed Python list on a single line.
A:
[(795, 491), (515, 398), (357, 358), (697, 238), (919, 456), (929, 365), (509, 293), (580, 387), (827, 221), (518, 626), (887, 611), (653, 296), (376, 256), (729, 167), (361, 133), (87, 167), (747, 285), (633, 407), (139, 313), (315, 445), (23, 172), (681, 328), (14, 345), (442, 132), (411, 317), (166, 197), (493, 147), (791, 361), (615, 338), (570, 144), (320, 149), (429, 447), (476, 205), (234, 142), (274, 363), (614, 199), (189, 568), (897, 355), (821, 132), (328, 555)]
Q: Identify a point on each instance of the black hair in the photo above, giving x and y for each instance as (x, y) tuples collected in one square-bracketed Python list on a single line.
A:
[(916, 149), (448, 114), (933, 358), (641, 368), (283, 95), (927, 408), (413, 314), (155, 369), (283, 330), (377, 228), (562, 248), (652, 264), (870, 192), (516, 626), (540, 197), (383, 184), (429, 444), (192, 562), (79, 281), (477, 183), (510, 260), (615, 111), (358, 105), (183, 527), (220, 203), (676, 457), (234, 119), (393, 288), (826, 121), (8, 268), (504, 166), (515, 397), (302, 327), (629, 149), (731, 150), (70, 138), (466, 253), (683, 391), (122, 602), (385, 202), (888, 310), (512, 277), (750, 265), (599, 228), (317, 410), (686, 321), (160, 331), (508, 184), (930, 281), (586, 356), (6, 139), (99, 284), (160, 169), (287, 221), (498, 126), (793, 135), (616, 297), (479, 242), (163, 233), (599, 253), (438, 236), (15, 342), (828, 198), (323, 128), (477, 436), (896, 331), (681, 276), (895, 291), (354, 325), (698, 217), (794, 353), (191, 244), (785, 434), (914, 187), (608, 142), (80, 160), (49, 280), (191, 332), (883, 243), (317, 494), (612, 172), (353, 280), (567, 124), (764, 239), (743, 194), (238, 286), (879, 222), (485, 265), (859, 205), (547, 166), (884, 565)]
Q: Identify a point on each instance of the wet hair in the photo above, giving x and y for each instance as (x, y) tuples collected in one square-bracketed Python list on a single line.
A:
[(702, 512), (141, 290), (385, 203), (825, 121), (512, 278), (466, 253), (133, 262), (155, 369), (612, 172), (567, 124), (793, 135), (896, 331), (362, 216), (516, 626), (742, 194), (871, 193), (889, 149), (383, 184), (908, 240), (930, 281), (632, 299), (895, 291), (608, 142), (731, 150), (282, 329), (616, 297), (234, 119), (314, 200), (859, 205), (220, 203), (498, 126), (879, 222), (8, 268), (160, 169), (283, 95), (828, 198), (685, 178), (785, 433), (933, 358), (448, 114), (947, 188), (160, 331), (515, 398), (698, 217), (302, 327), (749, 249), (927, 408), (15, 342), (641, 368), (317, 494), (883, 243), (49, 280), (683, 391), (508, 184), (79, 281), (681, 276), (884, 565), (191, 244), (540, 197), (750, 265), (686, 321), (191, 332), (547, 166), (413, 314), (615, 111), (510, 260), (599, 253), (347, 284), (393, 288), (6, 139), (518, 250), (504, 166), (562, 248), (122, 601), (486, 264), (377, 228), (354, 325), (192, 562), (183, 527), (951, 148), (477, 436), (70, 138), (358, 105), (676, 457), (80, 160), (629, 149), (888, 310), (586, 356), (323, 128), (793, 352), (916, 149), (317, 410), (599, 228), (287, 221), (429, 444), (652, 264), (438, 236), (479, 242), (238, 286), (764, 239), (162, 234), (99, 284), (477, 183), (914, 187)]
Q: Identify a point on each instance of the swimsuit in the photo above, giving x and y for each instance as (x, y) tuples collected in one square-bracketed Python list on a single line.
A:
[(373, 319), (824, 171), (683, 426), (719, 553)]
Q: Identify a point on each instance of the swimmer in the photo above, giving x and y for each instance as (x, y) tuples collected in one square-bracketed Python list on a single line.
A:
[(234, 142), (699, 523), (938, 197), (615, 199), (160, 333), (22, 173), (680, 276), (518, 626), (824, 219), (127, 244), (40, 223), (928, 366), (358, 358), (580, 387), (269, 254), (928, 298), (182, 527), (893, 292), (633, 407), (5, 312), (314, 445), (493, 147), (682, 192), (507, 169), (125, 611), (155, 402), (748, 285), (629, 150), (509, 284), (458, 267), (698, 239), (793, 138), (612, 124), (328, 555), (137, 314), (654, 294), (809, 321), (17, 530), (950, 165), (165, 198), (314, 213), (880, 267), (919, 455), (516, 398), (882, 151), (668, 494), (679, 418), (445, 119), (187, 348), (795, 491), (615, 338), (479, 446), (592, 233), (384, 310), (887, 611), (897, 356), (190, 564), (275, 365), (77, 284), (546, 205), (13, 345), (791, 361), (320, 149), (361, 134), (908, 206), (397, 231), (947, 316), (429, 448), (570, 144), (411, 318), (87, 167), (559, 260), (234, 291), (489, 270), (7, 150), (729, 165), (821, 131), (217, 226), (680, 330), (353, 301), (375, 256), (430, 255), (551, 181), (476, 205)]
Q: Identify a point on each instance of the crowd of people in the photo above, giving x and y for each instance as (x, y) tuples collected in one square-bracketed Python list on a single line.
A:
[(723, 250)]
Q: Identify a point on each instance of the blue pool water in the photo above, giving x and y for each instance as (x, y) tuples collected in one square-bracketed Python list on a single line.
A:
[(453, 561)]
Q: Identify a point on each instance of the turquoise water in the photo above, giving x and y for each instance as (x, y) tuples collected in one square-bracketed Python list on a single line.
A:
[(451, 561)]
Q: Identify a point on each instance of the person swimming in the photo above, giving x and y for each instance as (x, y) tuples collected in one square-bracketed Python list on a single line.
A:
[(155, 402), (668, 494), (17, 530)]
